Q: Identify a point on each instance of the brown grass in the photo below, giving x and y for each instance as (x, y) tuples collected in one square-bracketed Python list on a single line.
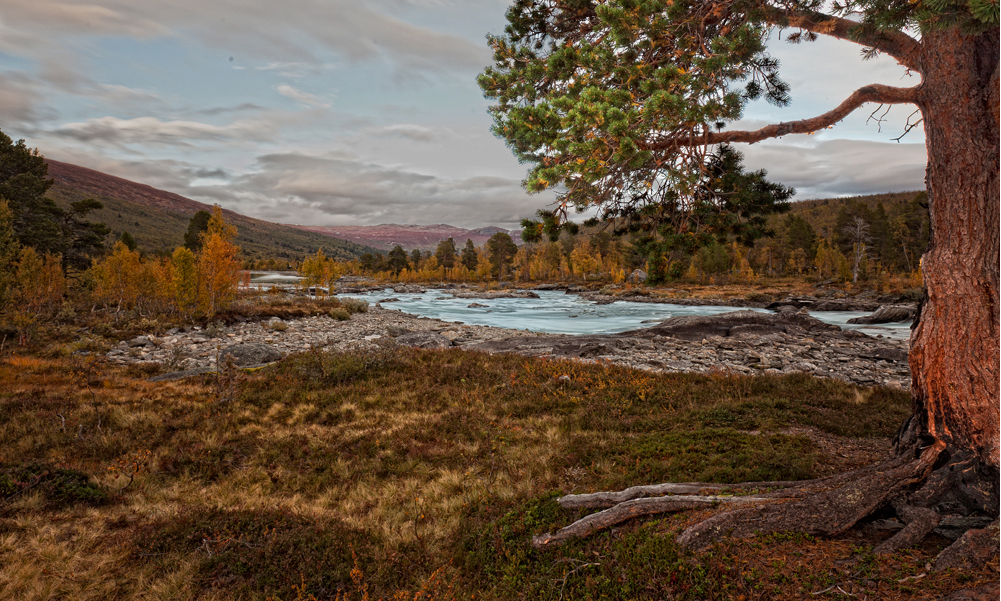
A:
[(341, 476)]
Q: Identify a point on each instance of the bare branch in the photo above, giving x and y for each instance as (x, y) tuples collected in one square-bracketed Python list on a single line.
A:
[(870, 93), (899, 45)]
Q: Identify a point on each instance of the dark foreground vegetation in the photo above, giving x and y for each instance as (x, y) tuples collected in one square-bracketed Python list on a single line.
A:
[(413, 474)]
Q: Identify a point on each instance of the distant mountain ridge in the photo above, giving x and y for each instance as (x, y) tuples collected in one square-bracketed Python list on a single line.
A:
[(158, 219), (424, 237)]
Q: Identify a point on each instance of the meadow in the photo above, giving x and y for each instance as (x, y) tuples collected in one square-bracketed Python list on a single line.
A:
[(409, 474)]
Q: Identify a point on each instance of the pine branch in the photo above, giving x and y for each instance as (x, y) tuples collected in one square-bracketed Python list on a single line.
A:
[(871, 93), (897, 44)]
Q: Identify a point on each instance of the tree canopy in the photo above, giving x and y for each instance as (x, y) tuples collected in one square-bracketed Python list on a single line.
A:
[(621, 103), (38, 222)]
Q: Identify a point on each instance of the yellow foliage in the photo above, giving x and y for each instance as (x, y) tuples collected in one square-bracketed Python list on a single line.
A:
[(185, 281), (114, 281), (218, 272), (39, 288)]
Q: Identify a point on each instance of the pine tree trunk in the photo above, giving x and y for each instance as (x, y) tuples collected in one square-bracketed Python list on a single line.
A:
[(955, 347)]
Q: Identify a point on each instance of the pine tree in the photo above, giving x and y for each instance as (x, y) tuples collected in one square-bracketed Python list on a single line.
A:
[(624, 103), (501, 249), (469, 256), (445, 253), (397, 260)]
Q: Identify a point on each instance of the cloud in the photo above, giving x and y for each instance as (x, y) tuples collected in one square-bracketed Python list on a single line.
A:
[(340, 189), (300, 96), (150, 130), (410, 131), (20, 101), (281, 33), (834, 168)]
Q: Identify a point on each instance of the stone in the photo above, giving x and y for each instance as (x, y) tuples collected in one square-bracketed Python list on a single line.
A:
[(697, 327), (887, 314), (250, 353), (139, 341), (638, 276), (476, 306), (426, 340)]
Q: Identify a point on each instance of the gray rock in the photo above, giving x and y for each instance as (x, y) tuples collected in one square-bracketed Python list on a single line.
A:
[(476, 306), (408, 289), (395, 331), (428, 340), (638, 276), (250, 353), (139, 341), (888, 314), (698, 327)]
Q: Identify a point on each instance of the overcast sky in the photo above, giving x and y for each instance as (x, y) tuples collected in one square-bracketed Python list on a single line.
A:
[(338, 112)]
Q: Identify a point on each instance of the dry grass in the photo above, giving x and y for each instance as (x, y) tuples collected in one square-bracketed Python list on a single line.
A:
[(339, 476)]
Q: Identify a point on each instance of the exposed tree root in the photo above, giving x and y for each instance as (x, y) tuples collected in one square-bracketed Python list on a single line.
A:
[(634, 508), (921, 483)]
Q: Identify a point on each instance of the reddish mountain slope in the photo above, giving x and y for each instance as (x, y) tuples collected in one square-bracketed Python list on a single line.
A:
[(102, 184), (424, 237)]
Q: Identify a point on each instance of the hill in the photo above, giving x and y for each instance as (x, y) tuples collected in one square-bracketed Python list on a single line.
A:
[(822, 214), (157, 219), (424, 237)]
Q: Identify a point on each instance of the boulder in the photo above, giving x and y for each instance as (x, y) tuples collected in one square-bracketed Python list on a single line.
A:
[(887, 314), (476, 306), (250, 353), (428, 340), (699, 327), (408, 289), (638, 276)]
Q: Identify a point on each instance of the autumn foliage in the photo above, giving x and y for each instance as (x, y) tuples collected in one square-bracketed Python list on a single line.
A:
[(187, 284)]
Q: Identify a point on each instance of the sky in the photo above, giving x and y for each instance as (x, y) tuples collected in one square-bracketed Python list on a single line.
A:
[(358, 112)]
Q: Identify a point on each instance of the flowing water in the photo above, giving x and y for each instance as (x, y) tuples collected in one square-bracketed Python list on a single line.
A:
[(558, 313)]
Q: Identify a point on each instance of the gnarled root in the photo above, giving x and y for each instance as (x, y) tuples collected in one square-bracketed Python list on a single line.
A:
[(917, 482)]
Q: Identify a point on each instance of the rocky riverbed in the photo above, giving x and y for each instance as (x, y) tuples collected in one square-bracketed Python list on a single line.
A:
[(742, 342)]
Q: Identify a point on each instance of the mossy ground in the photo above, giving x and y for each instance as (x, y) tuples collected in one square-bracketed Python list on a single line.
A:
[(415, 474)]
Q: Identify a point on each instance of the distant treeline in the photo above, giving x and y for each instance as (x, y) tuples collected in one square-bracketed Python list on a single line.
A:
[(847, 239)]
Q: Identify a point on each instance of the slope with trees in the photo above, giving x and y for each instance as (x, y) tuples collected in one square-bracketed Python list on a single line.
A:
[(624, 102)]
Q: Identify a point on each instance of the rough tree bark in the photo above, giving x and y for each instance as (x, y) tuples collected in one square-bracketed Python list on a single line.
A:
[(946, 455)]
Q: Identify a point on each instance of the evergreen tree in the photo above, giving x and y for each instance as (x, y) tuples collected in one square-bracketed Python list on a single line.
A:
[(469, 256), (799, 234), (37, 221), (10, 250), (623, 103), (199, 224), (501, 249), (415, 258), (445, 253), (82, 239), (397, 260), (128, 240)]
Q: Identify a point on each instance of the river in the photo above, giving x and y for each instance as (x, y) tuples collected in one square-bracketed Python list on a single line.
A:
[(556, 312)]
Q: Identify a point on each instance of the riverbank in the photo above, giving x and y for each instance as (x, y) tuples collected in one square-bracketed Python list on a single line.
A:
[(824, 351)]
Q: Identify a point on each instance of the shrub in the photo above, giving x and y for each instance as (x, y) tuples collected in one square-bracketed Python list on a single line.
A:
[(59, 487), (340, 314), (355, 305)]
